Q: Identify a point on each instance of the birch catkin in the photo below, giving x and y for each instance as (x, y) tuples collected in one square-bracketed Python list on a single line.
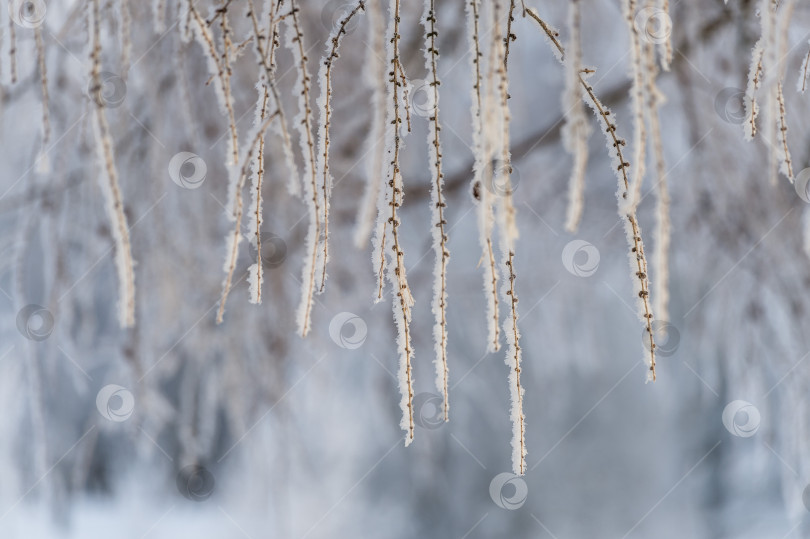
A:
[(437, 208)]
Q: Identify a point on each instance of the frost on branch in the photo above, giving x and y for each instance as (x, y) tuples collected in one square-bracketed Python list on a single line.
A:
[(303, 121), (255, 271), (374, 76), (637, 99), (801, 84), (754, 79), (482, 174), (507, 230), (437, 204), (576, 130), (324, 103), (110, 188), (237, 175), (637, 258), (388, 256)]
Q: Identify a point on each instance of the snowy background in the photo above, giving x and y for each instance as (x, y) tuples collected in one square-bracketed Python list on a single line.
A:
[(246, 430)]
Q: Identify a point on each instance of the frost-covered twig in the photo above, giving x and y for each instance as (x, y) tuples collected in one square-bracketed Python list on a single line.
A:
[(325, 111), (662, 225), (509, 37), (786, 165), (754, 80), (801, 84), (255, 271), (226, 73), (636, 104), (507, 234), (513, 360), (159, 15), (221, 74), (437, 208), (665, 44), (126, 37), (237, 176), (576, 130), (12, 49), (392, 197), (109, 184), (374, 76), (266, 55), (480, 192), (303, 120), (637, 258), (43, 161)]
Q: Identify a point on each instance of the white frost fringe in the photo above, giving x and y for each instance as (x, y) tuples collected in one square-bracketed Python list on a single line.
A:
[(374, 77), (110, 188), (437, 204), (482, 172), (576, 130), (637, 95), (255, 271), (303, 121), (507, 234)]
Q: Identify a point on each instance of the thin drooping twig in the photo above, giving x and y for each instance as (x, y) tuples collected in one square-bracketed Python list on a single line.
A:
[(637, 101), (754, 79), (661, 236), (295, 42), (266, 57), (256, 271), (43, 162), (225, 74), (325, 111), (801, 84), (220, 73), (786, 166), (483, 173), (637, 258), (126, 38), (480, 193), (12, 49), (392, 197), (507, 234), (238, 175), (437, 208), (109, 185), (509, 37), (374, 77), (665, 44), (576, 130)]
